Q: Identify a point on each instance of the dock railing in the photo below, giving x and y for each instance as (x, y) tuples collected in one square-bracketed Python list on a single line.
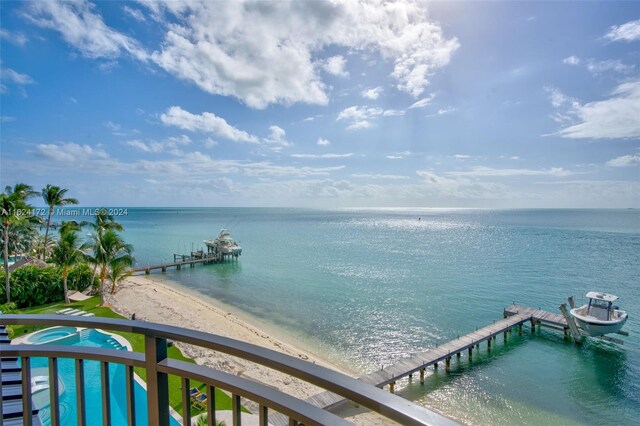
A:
[(158, 366)]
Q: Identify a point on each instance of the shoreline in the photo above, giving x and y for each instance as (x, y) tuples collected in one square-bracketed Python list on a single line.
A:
[(173, 304), (155, 301)]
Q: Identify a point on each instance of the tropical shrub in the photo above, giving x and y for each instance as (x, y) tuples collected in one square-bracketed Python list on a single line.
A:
[(33, 286)]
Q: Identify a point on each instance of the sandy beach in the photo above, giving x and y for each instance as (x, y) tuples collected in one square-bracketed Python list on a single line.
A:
[(155, 301)]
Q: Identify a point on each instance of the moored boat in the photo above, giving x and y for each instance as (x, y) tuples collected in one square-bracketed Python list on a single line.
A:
[(600, 316), (224, 244)]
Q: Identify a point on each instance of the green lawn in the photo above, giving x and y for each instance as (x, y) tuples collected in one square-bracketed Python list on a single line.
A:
[(223, 401)]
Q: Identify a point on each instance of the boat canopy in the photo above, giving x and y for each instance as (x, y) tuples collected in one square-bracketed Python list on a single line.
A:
[(602, 296)]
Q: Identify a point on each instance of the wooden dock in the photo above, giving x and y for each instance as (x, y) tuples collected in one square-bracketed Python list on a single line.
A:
[(180, 260), (514, 316)]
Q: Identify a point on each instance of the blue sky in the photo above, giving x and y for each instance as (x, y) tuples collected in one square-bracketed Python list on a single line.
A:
[(324, 104)]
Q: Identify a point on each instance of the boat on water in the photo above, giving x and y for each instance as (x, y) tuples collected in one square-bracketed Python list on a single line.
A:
[(600, 316), (224, 244)]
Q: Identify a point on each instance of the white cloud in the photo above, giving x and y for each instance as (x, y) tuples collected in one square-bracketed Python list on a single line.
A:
[(398, 155), (443, 111), (613, 118), (134, 13), (267, 52), (482, 171), (359, 117), (609, 65), (422, 102), (393, 112), (571, 60), (322, 155), (624, 161), (15, 38), (210, 143), (378, 176), (83, 28), (269, 169), (323, 142), (627, 32), (460, 187), (461, 156), (277, 136), (6, 119), (373, 93), (170, 145), (335, 66), (70, 152), (8, 74), (206, 122)]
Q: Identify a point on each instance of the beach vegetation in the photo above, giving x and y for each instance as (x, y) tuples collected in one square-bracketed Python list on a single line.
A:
[(103, 222), (53, 196), (14, 211), (33, 286), (66, 253), (108, 251), (117, 272)]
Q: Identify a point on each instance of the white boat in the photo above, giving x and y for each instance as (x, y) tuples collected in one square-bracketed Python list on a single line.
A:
[(600, 316), (224, 244)]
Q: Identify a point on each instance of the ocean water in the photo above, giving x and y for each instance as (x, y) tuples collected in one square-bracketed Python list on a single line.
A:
[(367, 288)]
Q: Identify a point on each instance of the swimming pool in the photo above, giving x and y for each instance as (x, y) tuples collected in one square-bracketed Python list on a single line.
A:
[(93, 396), (50, 334)]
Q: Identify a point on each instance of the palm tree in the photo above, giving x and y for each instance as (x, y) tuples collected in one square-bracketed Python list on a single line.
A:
[(103, 222), (53, 196), (13, 210), (109, 251), (66, 253), (117, 272)]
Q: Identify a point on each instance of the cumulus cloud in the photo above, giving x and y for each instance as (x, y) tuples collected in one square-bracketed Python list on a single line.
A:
[(335, 65), (206, 122), (361, 117), (627, 32), (83, 27), (277, 136), (70, 152), (571, 60), (264, 53), (323, 142), (613, 118), (373, 93), (624, 161)]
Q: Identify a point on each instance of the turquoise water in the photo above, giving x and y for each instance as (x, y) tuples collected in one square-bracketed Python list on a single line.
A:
[(370, 287), (50, 334), (93, 396)]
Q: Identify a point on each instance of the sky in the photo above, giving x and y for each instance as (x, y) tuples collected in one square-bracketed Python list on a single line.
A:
[(325, 104)]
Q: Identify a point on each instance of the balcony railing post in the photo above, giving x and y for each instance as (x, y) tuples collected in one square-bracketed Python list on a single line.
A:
[(129, 382), (80, 398), (157, 383), (106, 393), (26, 391), (53, 392)]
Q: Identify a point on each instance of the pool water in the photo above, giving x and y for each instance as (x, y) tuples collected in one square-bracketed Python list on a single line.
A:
[(49, 334), (93, 393)]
